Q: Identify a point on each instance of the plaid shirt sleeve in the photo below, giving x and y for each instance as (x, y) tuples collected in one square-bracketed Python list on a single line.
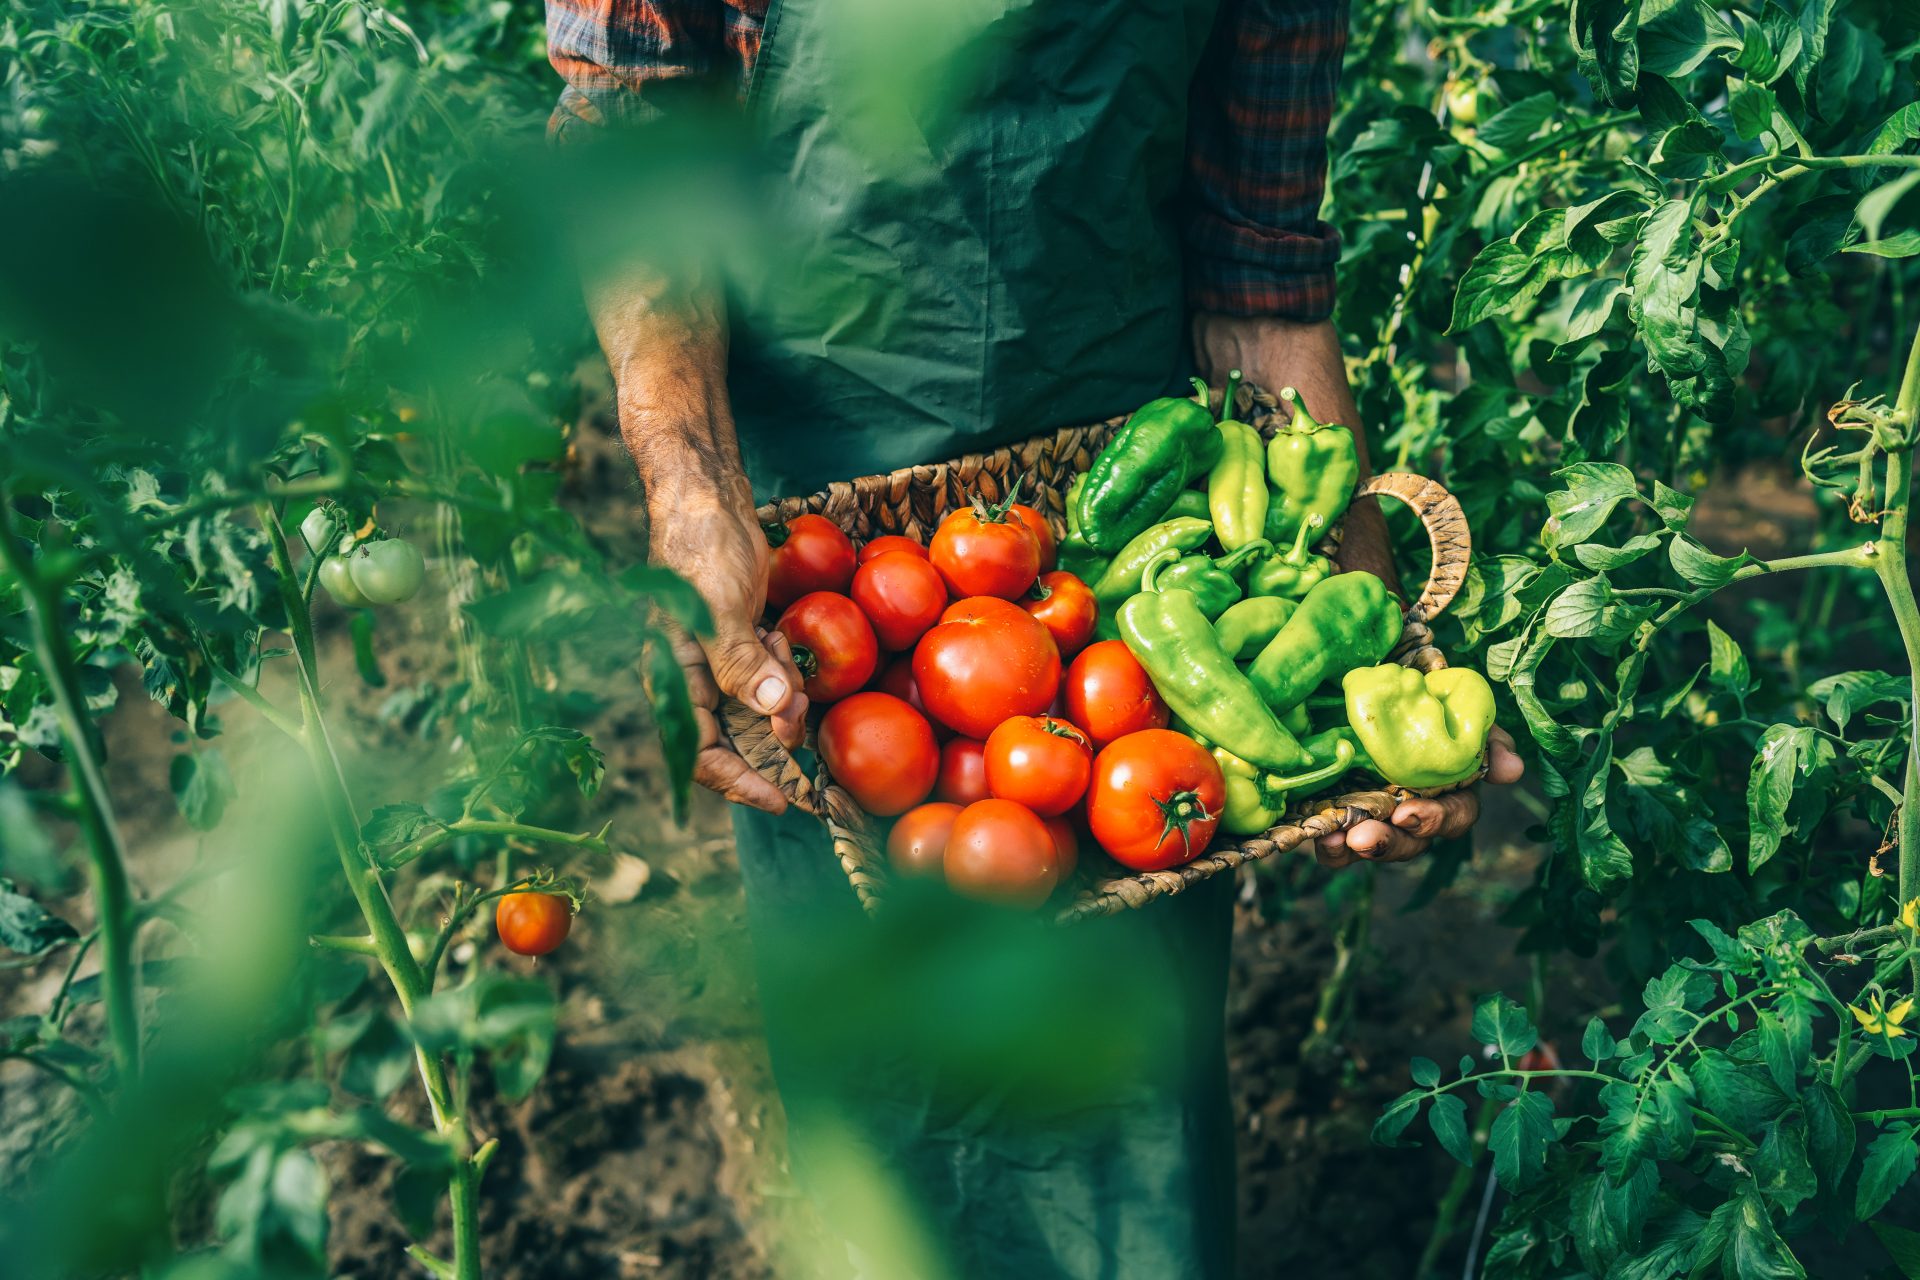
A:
[(610, 51), (1257, 160)]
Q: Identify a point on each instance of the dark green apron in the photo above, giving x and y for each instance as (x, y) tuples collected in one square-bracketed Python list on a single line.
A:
[(971, 241)]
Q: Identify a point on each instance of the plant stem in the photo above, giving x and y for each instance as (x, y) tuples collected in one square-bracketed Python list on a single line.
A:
[(112, 896), (1891, 566), (388, 939), (484, 827)]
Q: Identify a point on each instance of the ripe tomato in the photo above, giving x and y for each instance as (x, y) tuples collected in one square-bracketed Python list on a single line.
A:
[(891, 542), (387, 571), (983, 663), (1042, 536), (982, 552), (902, 597), (1039, 762), (1155, 799), (809, 554), (896, 678), (917, 845), (1066, 846), (337, 578), (832, 644), (1001, 852), (881, 750), (1109, 695), (1065, 607), (963, 771), (532, 924)]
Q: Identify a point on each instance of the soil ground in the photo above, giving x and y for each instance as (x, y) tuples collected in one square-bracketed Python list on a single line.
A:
[(655, 1147)]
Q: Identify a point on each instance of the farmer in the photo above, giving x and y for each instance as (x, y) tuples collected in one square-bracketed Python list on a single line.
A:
[(995, 217)]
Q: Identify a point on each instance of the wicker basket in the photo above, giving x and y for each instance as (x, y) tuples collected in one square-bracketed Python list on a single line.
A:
[(913, 500)]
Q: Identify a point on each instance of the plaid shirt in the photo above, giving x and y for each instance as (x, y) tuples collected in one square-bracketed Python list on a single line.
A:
[(1256, 130)]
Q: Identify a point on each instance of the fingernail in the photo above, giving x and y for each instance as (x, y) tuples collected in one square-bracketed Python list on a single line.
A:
[(770, 694)]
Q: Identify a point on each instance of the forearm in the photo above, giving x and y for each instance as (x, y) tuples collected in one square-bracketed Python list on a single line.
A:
[(1274, 353), (666, 344)]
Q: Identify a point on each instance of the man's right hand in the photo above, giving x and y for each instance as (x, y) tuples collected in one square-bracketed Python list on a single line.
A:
[(712, 539)]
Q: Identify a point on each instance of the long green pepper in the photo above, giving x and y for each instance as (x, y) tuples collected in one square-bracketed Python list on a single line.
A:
[(1144, 467), (1173, 641), (1347, 621), (1237, 487), (1210, 579), (1121, 578)]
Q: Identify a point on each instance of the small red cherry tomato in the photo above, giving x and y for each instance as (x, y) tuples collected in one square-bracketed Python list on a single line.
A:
[(1109, 694), (982, 552), (1043, 536), (963, 771), (833, 645), (917, 845), (810, 553), (902, 597), (532, 923), (1001, 852), (881, 750), (891, 542), (1066, 608), (1039, 762)]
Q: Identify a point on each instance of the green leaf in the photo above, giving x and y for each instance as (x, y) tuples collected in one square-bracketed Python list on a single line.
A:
[(1669, 1000), (393, 825), (1448, 1117), (1399, 1114), (1777, 1051), (1511, 126), (1902, 1245), (1590, 609), (1727, 664), (1604, 559), (1902, 127), (672, 703), (1740, 1093), (1755, 1249), (1701, 567), (1609, 1217), (1502, 1023), (1664, 276), (1597, 1043), (1904, 245), (1676, 36), (1780, 1166), (201, 787), (1752, 107), (1787, 752), (1604, 39), (1426, 1072), (1854, 691), (1519, 1139), (26, 927), (1889, 1163), (1577, 512), (672, 594), (1500, 278), (1830, 1132), (1878, 204)]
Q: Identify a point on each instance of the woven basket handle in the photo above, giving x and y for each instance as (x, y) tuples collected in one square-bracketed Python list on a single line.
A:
[(752, 735), (1446, 525)]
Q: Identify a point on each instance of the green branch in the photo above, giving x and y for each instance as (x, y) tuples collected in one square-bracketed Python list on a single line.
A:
[(400, 857)]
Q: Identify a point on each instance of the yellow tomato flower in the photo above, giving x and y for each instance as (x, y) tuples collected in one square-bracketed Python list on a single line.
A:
[(1878, 1020), (1910, 914)]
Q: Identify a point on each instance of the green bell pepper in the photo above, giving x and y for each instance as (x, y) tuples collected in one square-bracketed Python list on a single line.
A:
[(1147, 463), (1245, 628), (1422, 729), (1237, 487), (1314, 467), (1257, 799), (1190, 502), (1293, 574), (1075, 556), (1175, 644), (1121, 577), (1347, 621), (1210, 580)]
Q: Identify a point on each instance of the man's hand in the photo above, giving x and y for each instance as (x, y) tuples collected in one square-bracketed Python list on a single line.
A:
[(1275, 353), (667, 347)]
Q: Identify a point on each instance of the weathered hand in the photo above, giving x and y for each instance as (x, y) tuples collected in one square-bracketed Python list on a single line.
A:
[(714, 542), (1416, 823)]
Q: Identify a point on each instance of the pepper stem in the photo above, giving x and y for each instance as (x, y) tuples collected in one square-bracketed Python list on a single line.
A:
[(1233, 390), (1298, 556), (1149, 574), (1342, 760), (1240, 555), (1302, 420), (1202, 393)]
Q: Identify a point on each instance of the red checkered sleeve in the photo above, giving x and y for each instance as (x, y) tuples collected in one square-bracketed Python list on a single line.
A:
[(1257, 160), (611, 51)]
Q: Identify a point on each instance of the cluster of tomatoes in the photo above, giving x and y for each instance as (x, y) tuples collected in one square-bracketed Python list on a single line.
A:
[(964, 699), (356, 570)]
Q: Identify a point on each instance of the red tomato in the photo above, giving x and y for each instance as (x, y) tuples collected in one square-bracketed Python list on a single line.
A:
[(896, 678), (902, 597), (833, 645), (1066, 608), (1001, 852), (809, 554), (1109, 695), (891, 542), (981, 553), (881, 750), (984, 663), (1043, 536), (917, 845), (1066, 846), (532, 924), (1039, 762), (963, 771), (1155, 799)]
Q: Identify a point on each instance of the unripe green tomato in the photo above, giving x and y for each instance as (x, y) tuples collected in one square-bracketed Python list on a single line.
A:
[(387, 571), (337, 578), (1463, 103), (317, 528)]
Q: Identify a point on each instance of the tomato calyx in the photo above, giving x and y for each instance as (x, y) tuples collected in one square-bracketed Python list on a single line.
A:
[(1039, 590), (1000, 512), (1180, 811), (1061, 729), (776, 533), (806, 661)]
